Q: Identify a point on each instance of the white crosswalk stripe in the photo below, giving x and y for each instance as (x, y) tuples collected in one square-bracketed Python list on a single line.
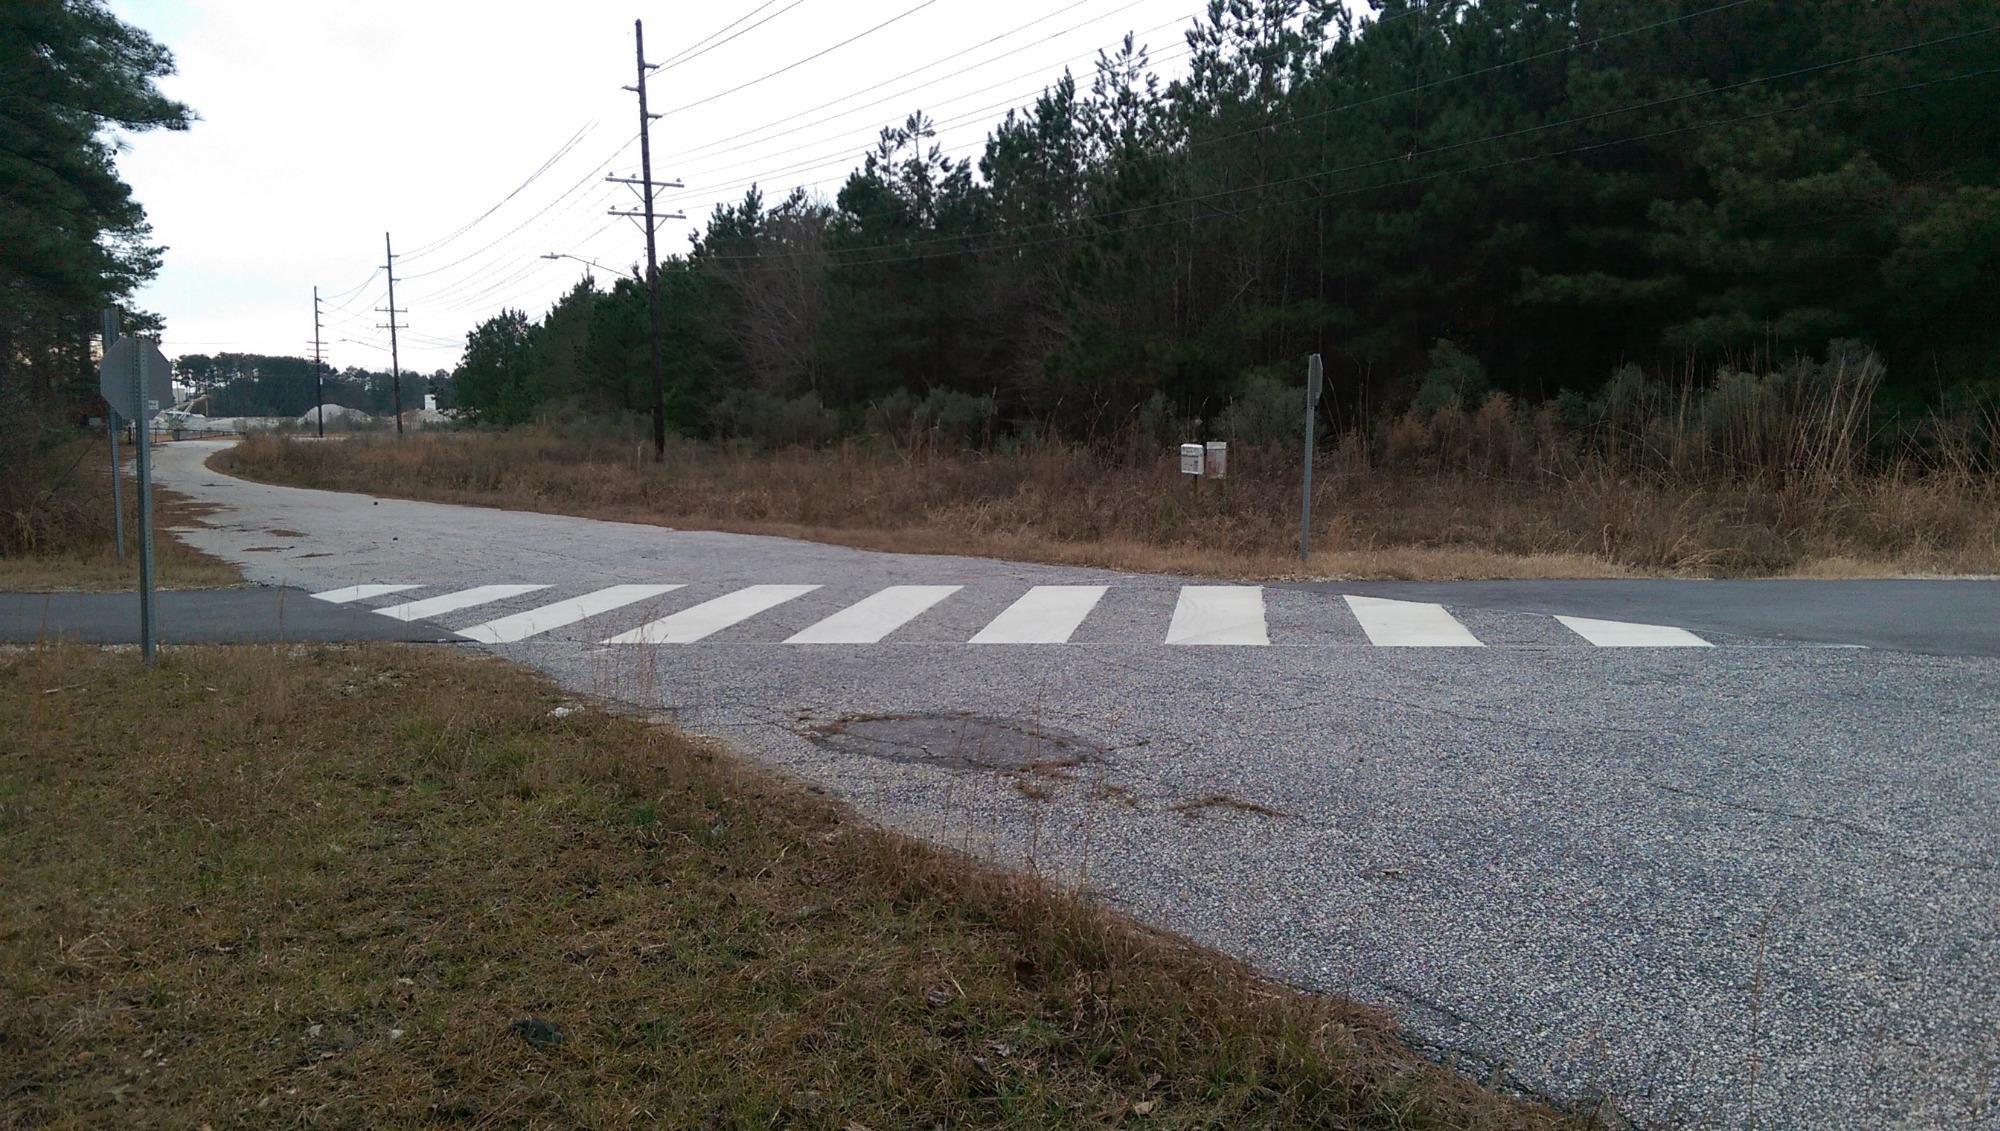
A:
[(360, 593), (1047, 614), (452, 602), (534, 622), (1410, 624), (872, 618), (1219, 614), (711, 617), (1044, 615), (1620, 634)]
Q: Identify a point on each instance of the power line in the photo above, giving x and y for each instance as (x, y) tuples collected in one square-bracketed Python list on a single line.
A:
[(974, 117), (354, 290), (699, 49), (1194, 144), (1168, 55), (566, 194), (802, 62), (561, 152), (506, 252), (712, 150)]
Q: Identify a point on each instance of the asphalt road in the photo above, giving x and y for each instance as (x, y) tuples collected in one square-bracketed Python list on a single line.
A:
[(1751, 878), (199, 616), (1946, 618)]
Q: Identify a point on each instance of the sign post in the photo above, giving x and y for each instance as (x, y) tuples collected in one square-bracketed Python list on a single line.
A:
[(136, 379), (111, 430), (1315, 384)]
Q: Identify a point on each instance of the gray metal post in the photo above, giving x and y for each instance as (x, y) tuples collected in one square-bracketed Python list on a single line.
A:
[(111, 430), (148, 625), (1315, 380)]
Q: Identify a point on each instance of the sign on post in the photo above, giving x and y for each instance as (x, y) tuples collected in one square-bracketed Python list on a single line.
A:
[(156, 378), (1192, 459), (137, 380), (1215, 460)]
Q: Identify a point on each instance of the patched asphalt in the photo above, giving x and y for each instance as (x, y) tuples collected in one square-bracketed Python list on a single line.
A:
[(1754, 882)]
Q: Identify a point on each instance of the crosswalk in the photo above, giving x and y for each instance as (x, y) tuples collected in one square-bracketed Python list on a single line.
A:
[(814, 614)]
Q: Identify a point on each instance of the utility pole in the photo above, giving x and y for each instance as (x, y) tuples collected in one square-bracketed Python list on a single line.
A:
[(319, 370), (646, 186), (395, 365)]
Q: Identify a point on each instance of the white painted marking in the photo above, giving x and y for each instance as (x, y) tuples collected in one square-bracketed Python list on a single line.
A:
[(359, 593), (452, 602), (871, 618), (1620, 634), (1219, 614), (1409, 624), (534, 622), (1047, 614), (711, 617)]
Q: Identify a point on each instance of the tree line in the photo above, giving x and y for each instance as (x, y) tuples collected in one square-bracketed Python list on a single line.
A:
[(72, 238), (252, 384), (1531, 197)]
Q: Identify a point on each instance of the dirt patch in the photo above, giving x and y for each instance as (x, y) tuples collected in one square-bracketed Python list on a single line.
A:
[(265, 549), (280, 532), (958, 741)]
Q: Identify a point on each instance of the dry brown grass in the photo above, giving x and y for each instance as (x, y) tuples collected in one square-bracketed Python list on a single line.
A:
[(368, 886), (1502, 514), (78, 550)]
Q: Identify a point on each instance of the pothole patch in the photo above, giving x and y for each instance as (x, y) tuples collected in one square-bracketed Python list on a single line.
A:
[(959, 741)]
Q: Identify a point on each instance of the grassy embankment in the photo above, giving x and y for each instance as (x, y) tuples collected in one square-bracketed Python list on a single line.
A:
[(1482, 499), (56, 530), (356, 886)]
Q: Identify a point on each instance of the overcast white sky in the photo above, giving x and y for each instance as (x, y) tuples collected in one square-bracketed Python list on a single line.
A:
[(325, 124)]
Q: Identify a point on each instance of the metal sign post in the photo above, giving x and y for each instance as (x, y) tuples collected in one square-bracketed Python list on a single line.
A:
[(136, 379), (148, 624), (111, 430), (1315, 383)]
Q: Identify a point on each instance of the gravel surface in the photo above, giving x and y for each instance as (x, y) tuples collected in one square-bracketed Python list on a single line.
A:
[(1711, 886)]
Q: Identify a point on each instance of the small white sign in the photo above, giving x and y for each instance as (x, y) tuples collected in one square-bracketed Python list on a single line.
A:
[(1191, 459), (1215, 462)]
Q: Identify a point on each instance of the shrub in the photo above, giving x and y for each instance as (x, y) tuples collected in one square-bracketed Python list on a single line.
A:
[(1265, 413), (773, 421), (1455, 379), (958, 417)]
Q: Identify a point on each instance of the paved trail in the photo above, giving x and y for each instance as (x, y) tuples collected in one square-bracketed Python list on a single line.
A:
[(1695, 850)]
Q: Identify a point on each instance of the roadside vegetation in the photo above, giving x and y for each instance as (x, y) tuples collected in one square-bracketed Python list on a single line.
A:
[(56, 528), (1789, 472), (76, 241), (357, 886)]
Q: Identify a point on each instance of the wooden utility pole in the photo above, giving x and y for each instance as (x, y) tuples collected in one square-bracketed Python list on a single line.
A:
[(395, 365), (319, 370), (644, 183)]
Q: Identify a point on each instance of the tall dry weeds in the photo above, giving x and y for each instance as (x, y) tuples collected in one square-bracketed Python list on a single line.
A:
[(1501, 490)]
